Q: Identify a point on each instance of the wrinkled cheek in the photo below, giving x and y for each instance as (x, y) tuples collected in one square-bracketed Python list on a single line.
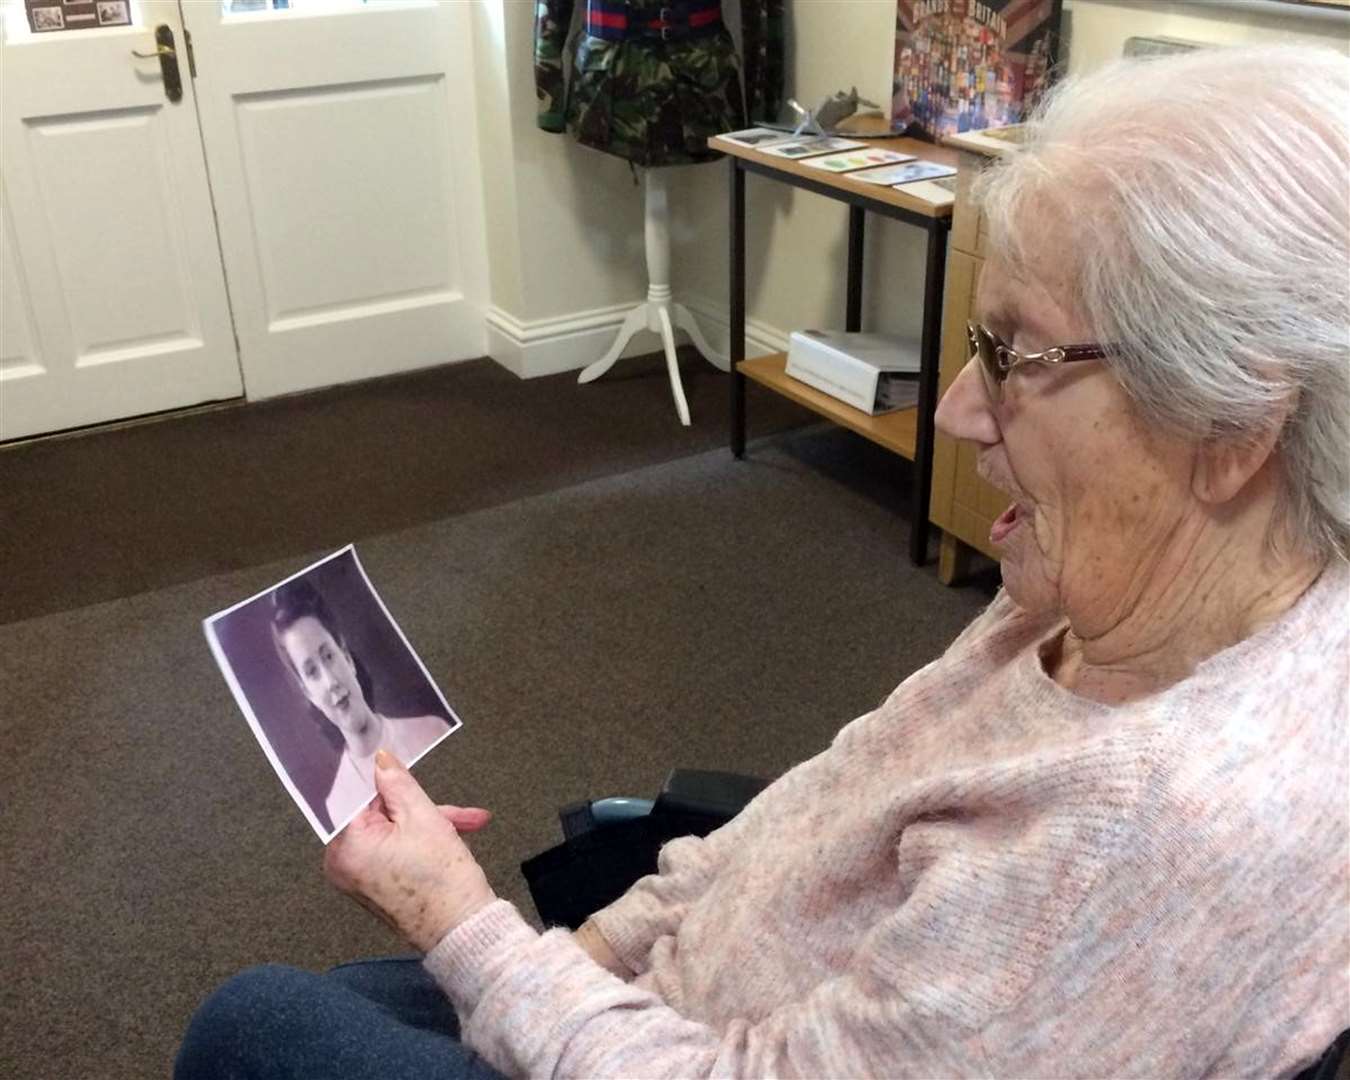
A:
[(1092, 553), (1031, 568), (1049, 538)]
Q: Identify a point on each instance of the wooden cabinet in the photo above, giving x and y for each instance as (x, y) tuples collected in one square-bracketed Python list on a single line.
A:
[(963, 505)]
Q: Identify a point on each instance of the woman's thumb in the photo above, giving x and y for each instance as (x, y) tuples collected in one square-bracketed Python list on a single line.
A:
[(401, 793)]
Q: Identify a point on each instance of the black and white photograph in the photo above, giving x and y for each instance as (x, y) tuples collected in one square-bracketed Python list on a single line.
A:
[(113, 13), (326, 678), (48, 18)]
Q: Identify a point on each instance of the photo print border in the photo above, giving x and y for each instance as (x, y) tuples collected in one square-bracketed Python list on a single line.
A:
[(271, 700)]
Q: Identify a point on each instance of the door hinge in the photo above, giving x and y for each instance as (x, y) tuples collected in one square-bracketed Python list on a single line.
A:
[(192, 54)]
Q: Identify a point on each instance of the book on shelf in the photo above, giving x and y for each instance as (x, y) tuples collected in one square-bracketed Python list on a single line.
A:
[(876, 373)]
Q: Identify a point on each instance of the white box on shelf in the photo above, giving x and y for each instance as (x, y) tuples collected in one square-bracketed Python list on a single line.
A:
[(876, 373)]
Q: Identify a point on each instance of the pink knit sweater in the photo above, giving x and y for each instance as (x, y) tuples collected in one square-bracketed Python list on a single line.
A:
[(985, 876)]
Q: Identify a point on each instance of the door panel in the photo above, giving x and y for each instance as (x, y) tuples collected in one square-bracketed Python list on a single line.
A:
[(344, 183), (18, 342), (303, 233), (99, 221), (115, 299)]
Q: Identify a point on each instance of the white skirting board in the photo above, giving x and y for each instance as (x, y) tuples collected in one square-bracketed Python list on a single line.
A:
[(537, 347)]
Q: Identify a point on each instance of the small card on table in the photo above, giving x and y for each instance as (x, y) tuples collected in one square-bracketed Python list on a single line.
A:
[(866, 158), (812, 146), (894, 175), (757, 138)]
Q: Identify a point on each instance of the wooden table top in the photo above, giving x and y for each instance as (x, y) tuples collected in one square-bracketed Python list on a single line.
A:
[(927, 151)]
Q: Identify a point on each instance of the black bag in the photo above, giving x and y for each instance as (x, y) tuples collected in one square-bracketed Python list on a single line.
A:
[(596, 865)]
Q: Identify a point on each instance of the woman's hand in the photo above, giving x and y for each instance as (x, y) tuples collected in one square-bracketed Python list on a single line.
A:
[(402, 858)]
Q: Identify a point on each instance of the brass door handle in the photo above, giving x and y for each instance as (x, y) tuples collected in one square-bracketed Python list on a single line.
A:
[(168, 61)]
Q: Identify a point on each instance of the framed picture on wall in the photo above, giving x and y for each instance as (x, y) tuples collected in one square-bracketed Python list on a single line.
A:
[(964, 65), (46, 16)]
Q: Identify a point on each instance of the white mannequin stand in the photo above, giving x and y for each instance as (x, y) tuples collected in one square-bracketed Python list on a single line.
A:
[(660, 314)]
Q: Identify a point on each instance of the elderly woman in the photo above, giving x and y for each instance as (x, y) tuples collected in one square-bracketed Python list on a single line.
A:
[(1105, 834)]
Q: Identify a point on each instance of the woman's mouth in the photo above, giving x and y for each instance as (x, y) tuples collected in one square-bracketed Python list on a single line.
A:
[(341, 703), (1005, 523)]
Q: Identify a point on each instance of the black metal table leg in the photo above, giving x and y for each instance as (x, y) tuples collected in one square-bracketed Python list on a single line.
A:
[(736, 347), (853, 304), (934, 274)]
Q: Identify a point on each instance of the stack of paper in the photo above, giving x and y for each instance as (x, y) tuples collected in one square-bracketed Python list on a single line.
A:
[(876, 373)]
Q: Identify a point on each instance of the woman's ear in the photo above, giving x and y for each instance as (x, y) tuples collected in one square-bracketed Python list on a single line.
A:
[(1224, 466)]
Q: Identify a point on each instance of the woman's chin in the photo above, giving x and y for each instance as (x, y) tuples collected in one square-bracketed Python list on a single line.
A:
[(1028, 589), (345, 722)]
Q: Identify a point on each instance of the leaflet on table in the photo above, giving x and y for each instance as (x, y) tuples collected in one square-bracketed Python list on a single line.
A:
[(756, 138), (812, 146), (857, 159), (894, 175), (939, 192)]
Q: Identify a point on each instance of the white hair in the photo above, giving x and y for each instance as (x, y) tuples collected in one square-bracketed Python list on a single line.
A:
[(1203, 202)]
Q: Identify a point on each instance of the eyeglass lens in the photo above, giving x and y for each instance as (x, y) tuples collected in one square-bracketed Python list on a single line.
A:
[(985, 349)]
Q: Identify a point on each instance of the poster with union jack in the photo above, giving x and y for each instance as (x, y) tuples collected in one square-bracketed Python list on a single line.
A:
[(963, 65)]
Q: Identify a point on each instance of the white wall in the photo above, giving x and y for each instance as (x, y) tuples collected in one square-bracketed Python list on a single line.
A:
[(580, 213), (1099, 28), (493, 111), (796, 242), (565, 222)]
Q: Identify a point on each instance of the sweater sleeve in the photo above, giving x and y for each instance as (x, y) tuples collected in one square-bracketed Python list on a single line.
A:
[(536, 1005), (993, 888), (655, 905)]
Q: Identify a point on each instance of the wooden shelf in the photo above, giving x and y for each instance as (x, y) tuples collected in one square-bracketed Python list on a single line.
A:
[(896, 431)]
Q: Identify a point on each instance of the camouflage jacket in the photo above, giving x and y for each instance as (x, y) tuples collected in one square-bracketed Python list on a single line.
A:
[(653, 102)]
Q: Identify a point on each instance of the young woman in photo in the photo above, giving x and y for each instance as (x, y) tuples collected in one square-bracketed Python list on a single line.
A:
[(335, 682)]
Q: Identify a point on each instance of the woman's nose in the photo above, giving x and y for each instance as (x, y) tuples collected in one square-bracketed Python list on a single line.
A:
[(965, 412)]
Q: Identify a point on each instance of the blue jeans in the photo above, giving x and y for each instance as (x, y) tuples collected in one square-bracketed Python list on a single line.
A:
[(376, 1018)]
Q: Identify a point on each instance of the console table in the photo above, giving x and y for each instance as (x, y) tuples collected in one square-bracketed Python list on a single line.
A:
[(927, 206)]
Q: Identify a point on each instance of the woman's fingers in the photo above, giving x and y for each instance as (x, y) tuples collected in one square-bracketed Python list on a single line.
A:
[(407, 867), (374, 813), (466, 818)]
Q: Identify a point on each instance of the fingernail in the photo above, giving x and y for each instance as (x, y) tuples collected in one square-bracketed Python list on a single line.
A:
[(384, 759)]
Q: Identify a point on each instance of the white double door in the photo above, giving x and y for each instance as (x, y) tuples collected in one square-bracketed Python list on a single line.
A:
[(307, 213)]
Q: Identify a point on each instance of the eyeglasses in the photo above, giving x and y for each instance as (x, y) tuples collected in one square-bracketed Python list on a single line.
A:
[(997, 360)]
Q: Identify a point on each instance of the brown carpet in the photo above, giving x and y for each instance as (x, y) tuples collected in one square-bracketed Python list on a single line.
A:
[(699, 611), (115, 512)]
